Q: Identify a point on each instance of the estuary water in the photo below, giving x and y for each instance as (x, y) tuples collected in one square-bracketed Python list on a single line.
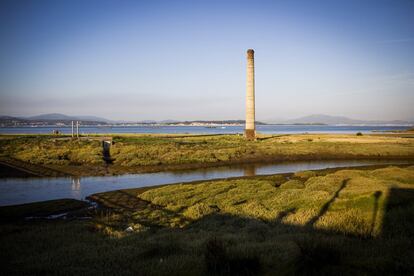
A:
[(264, 129), (25, 190)]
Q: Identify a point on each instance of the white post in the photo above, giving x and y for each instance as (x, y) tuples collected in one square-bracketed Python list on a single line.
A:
[(72, 130), (77, 129)]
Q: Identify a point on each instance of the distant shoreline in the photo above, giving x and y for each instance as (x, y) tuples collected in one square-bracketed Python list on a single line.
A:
[(196, 125)]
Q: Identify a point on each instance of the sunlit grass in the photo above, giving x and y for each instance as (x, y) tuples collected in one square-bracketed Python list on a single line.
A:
[(138, 153), (304, 193), (346, 221)]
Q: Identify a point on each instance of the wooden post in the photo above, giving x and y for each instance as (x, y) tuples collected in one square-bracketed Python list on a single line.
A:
[(77, 129), (72, 130)]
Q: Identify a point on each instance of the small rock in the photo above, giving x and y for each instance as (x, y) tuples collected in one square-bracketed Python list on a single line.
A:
[(129, 229)]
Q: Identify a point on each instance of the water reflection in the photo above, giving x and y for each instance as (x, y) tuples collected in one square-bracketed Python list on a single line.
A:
[(249, 170), (76, 186)]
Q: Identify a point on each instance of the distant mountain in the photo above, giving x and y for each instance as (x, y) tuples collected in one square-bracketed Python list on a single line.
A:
[(324, 119), (2, 117), (93, 118), (168, 121), (63, 117), (11, 120), (336, 120), (50, 120), (147, 122)]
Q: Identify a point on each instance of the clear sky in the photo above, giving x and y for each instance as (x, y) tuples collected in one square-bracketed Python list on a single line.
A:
[(185, 60)]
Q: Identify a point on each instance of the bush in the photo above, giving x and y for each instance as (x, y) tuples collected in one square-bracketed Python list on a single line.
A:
[(359, 134)]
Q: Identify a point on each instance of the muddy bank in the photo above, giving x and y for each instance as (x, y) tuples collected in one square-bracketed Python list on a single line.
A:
[(43, 209), (10, 167)]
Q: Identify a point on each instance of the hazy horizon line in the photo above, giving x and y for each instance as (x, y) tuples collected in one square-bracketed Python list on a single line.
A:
[(203, 119)]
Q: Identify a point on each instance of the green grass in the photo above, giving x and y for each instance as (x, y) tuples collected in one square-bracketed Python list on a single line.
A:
[(265, 198), (52, 151), (146, 153), (344, 221)]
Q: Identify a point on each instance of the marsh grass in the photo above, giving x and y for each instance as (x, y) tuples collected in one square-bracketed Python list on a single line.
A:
[(47, 150), (346, 221), (139, 153)]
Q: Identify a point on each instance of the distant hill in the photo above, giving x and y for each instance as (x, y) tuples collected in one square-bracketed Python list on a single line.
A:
[(336, 120), (9, 120), (51, 116), (49, 120), (168, 121), (324, 119), (63, 117), (3, 117)]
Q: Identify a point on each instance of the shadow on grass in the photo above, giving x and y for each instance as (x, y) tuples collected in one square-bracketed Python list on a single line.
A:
[(326, 206), (398, 218), (219, 243), (377, 195), (236, 245)]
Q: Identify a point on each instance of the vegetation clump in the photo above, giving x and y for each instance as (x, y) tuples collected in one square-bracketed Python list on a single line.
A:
[(199, 210), (304, 175), (47, 151), (292, 184)]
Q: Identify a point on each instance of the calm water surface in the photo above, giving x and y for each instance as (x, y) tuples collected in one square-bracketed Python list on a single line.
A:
[(25, 190), (265, 129)]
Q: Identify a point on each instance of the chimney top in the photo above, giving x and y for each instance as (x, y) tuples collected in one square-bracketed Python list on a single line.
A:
[(250, 53)]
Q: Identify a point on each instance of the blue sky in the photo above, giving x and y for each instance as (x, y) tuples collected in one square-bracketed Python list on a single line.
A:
[(185, 60)]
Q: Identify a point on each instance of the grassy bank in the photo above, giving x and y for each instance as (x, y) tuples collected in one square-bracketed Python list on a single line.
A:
[(150, 153), (346, 221)]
